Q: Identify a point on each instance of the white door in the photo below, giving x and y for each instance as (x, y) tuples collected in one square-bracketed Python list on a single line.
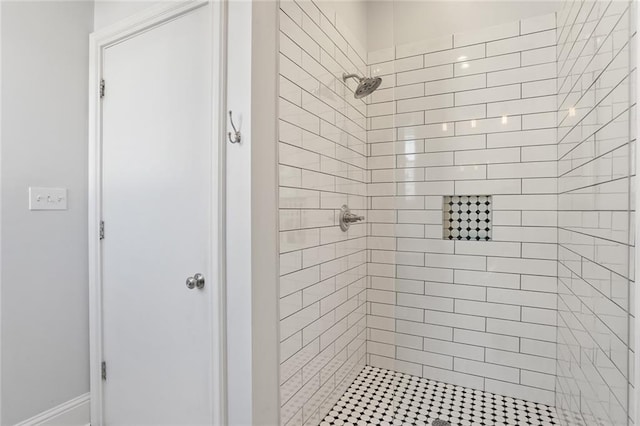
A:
[(157, 186)]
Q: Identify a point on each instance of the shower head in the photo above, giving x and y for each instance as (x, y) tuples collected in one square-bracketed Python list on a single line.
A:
[(366, 85)]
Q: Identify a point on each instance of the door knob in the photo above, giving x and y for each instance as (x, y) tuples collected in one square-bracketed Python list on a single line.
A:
[(199, 281), (191, 283), (195, 281)]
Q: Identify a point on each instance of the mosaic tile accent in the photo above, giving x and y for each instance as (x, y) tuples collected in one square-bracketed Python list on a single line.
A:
[(467, 217), (385, 397)]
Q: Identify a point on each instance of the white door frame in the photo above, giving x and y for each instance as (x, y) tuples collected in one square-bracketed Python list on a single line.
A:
[(98, 42)]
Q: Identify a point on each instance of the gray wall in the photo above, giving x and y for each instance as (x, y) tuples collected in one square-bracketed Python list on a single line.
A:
[(110, 12), (44, 314)]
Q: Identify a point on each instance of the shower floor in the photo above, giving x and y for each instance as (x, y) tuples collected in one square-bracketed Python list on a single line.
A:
[(384, 397)]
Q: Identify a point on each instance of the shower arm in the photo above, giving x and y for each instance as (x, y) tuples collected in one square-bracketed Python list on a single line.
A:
[(345, 76)]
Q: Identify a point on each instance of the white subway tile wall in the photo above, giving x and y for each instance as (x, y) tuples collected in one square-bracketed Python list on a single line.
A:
[(323, 165), (595, 221), (475, 115)]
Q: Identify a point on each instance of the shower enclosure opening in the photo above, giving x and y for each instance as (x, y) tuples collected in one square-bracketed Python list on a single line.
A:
[(491, 156)]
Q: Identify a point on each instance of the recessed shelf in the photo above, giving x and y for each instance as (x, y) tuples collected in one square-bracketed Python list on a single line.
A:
[(467, 217)]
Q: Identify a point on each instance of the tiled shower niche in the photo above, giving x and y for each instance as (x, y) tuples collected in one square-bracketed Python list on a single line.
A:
[(467, 217)]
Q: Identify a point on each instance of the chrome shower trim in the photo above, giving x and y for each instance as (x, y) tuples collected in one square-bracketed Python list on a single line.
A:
[(347, 218), (366, 85), (346, 76)]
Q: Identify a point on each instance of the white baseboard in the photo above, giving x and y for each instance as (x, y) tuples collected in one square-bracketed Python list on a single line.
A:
[(76, 412)]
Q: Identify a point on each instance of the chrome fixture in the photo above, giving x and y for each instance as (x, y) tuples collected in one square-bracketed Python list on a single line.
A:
[(195, 281), (366, 85), (347, 218), (235, 136)]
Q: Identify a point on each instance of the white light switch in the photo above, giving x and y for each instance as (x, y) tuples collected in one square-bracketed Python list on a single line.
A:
[(47, 198)]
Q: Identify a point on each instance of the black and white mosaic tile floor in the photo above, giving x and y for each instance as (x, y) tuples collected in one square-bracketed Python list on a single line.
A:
[(384, 397)]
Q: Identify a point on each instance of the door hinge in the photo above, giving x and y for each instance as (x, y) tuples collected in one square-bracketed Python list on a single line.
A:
[(104, 370), (102, 88), (102, 229)]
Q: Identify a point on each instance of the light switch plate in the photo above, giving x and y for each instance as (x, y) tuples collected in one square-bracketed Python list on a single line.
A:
[(47, 198)]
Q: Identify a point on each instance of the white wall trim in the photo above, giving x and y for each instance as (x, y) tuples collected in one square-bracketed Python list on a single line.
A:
[(238, 210), (74, 412), (634, 392), (99, 40), (252, 217), (264, 221), (1, 399)]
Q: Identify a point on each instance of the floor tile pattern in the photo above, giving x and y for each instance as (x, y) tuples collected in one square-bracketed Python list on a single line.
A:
[(385, 397)]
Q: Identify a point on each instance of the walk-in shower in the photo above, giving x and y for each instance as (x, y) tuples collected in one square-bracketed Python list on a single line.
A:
[(492, 158)]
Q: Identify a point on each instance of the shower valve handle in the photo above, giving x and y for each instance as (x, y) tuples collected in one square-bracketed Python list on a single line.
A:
[(352, 218), (347, 218)]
